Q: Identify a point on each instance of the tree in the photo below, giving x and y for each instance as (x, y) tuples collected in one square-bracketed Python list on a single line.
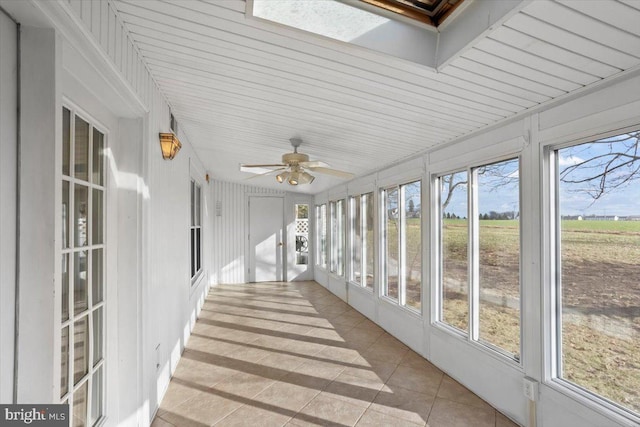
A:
[(411, 206), (449, 184), (604, 165)]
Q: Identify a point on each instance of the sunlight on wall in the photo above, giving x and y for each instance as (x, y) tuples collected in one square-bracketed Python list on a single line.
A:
[(126, 180)]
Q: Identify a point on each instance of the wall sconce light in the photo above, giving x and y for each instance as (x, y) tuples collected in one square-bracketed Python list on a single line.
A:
[(170, 145)]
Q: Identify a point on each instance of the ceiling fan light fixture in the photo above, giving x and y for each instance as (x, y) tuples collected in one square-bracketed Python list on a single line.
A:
[(282, 177), (306, 178), (294, 178)]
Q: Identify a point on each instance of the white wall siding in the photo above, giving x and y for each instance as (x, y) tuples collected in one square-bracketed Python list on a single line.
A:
[(230, 230), (103, 24), (8, 162), (40, 133)]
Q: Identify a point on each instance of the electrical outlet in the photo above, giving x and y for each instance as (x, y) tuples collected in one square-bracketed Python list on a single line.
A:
[(530, 389)]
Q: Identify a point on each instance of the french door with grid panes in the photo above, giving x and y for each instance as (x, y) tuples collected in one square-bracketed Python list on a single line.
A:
[(82, 321)]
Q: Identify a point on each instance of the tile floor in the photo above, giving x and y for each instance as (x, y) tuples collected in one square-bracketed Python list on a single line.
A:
[(275, 354)]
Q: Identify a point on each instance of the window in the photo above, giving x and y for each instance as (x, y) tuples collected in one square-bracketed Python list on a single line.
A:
[(195, 229), (402, 242), (83, 276), (337, 218), (361, 226), (480, 254), (302, 234), (321, 235), (598, 267)]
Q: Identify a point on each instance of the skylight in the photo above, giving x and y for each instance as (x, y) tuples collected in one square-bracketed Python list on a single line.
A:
[(325, 17), (431, 12)]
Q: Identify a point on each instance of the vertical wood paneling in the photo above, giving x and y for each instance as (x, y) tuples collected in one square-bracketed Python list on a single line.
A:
[(96, 7), (111, 35), (104, 25), (102, 21), (85, 13), (76, 5), (230, 230)]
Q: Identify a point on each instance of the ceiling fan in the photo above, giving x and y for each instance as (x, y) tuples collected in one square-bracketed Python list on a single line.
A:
[(294, 166)]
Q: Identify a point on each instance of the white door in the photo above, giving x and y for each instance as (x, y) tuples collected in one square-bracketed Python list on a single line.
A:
[(266, 240)]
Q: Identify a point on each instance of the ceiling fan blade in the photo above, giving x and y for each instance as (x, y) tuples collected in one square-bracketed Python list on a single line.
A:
[(334, 172), (314, 164), (278, 165), (265, 173)]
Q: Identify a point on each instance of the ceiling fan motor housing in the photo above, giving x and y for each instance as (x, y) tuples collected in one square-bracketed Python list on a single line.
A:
[(294, 158)]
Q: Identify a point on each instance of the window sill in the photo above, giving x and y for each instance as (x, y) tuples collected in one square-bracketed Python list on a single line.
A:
[(395, 304), (364, 289), (485, 349), (197, 280), (593, 402)]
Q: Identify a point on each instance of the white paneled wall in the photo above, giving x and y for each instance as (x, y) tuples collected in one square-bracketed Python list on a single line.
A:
[(230, 230), (100, 19), (8, 156)]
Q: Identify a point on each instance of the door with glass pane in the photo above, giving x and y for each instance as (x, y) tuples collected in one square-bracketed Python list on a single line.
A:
[(82, 257)]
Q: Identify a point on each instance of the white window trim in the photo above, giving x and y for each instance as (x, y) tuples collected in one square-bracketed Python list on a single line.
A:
[(551, 304), (195, 176), (471, 335), (382, 270), (88, 378)]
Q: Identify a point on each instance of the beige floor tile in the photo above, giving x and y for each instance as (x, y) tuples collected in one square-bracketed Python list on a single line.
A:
[(403, 403), (326, 411), (452, 390), (338, 354), (201, 374), (446, 413), (182, 421), (308, 381), (283, 361), (159, 422), (204, 409), (413, 359), (424, 380), (386, 352), (503, 421), (285, 397), (296, 329), (327, 334), (370, 368), (355, 390), (176, 394), (244, 385), (372, 418), (250, 416), (294, 354), (308, 346), (350, 317)]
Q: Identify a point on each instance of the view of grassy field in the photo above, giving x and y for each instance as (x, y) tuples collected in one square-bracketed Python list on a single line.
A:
[(600, 298)]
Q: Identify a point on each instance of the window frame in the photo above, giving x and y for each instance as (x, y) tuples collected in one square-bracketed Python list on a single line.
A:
[(401, 255), (70, 251), (195, 245), (552, 272), (321, 251), (352, 200), (472, 334), (337, 239)]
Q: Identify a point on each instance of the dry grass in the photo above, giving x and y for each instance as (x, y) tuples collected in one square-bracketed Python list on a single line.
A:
[(600, 299)]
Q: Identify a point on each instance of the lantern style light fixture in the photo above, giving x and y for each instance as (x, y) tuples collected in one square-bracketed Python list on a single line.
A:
[(170, 145)]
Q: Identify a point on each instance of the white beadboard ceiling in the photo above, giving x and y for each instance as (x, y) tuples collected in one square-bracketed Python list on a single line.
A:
[(240, 87)]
